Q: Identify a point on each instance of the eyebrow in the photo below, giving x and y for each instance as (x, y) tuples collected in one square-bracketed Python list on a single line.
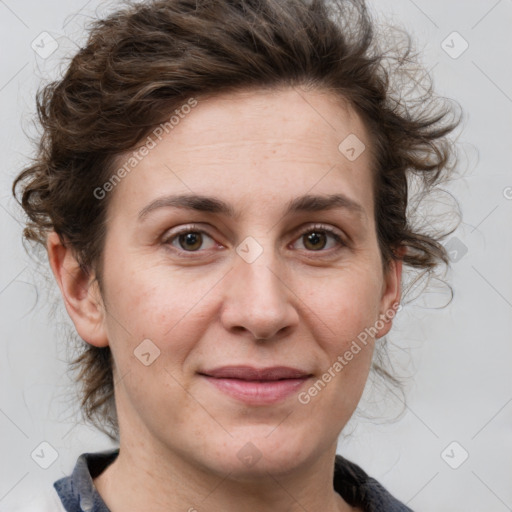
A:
[(306, 203)]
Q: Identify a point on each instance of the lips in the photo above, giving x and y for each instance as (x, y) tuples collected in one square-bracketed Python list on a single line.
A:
[(254, 374), (255, 386)]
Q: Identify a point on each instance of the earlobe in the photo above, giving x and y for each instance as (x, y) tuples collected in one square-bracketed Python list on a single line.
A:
[(391, 295), (79, 291)]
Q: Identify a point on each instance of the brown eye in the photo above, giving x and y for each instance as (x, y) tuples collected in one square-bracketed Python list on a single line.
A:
[(190, 241), (315, 240)]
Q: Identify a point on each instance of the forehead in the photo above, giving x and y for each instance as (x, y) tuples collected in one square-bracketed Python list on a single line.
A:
[(318, 119), (280, 143)]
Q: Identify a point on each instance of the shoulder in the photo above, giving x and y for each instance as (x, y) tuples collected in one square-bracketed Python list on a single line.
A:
[(46, 502)]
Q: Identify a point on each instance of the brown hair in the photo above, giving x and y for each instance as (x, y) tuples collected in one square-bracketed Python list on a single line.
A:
[(144, 61)]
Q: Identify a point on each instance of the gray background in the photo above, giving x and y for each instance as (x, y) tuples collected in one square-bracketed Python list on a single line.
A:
[(457, 359)]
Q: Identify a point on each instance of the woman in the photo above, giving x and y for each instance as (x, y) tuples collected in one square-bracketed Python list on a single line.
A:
[(222, 190)]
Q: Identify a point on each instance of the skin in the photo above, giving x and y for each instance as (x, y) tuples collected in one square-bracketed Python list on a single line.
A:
[(301, 303)]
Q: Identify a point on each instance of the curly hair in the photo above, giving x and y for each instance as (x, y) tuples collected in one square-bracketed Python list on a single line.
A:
[(145, 60)]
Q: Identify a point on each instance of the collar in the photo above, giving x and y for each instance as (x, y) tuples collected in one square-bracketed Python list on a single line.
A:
[(77, 491), (362, 491)]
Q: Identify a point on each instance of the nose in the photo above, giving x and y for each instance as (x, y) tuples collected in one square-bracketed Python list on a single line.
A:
[(258, 299)]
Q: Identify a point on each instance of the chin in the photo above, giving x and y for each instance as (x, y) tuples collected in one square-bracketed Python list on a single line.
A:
[(259, 452)]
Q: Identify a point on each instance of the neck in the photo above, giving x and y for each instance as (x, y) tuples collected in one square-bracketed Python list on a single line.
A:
[(142, 478)]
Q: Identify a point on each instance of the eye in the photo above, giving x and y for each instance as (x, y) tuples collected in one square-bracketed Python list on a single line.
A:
[(192, 239), (316, 238), (189, 239)]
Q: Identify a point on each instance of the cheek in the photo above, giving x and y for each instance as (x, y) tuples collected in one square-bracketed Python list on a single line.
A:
[(346, 309), (346, 305), (344, 334), (145, 307), (164, 307)]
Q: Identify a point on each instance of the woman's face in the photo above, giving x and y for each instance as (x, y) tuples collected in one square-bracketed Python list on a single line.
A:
[(272, 261)]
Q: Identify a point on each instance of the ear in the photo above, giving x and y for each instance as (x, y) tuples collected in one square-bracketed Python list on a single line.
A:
[(391, 294), (80, 292)]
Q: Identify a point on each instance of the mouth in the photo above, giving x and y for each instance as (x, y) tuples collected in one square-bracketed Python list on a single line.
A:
[(257, 386)]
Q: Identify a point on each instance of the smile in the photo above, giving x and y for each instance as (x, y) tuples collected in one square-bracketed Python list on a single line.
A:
[(257, 386)]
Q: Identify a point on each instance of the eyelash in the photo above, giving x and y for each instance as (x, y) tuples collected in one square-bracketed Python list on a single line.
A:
[(317, 228)]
